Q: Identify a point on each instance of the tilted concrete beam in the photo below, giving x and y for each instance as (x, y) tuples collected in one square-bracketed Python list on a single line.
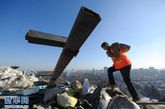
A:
[(38, 37), (85, 23)]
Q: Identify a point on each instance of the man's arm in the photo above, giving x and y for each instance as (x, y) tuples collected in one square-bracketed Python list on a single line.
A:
[(124, 47), (109, 54)]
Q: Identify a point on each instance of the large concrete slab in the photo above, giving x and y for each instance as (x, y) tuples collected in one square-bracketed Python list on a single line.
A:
[(85, 23), (38, 37)]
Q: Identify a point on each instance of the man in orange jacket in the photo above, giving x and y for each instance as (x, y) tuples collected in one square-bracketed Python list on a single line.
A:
[(121, 63)]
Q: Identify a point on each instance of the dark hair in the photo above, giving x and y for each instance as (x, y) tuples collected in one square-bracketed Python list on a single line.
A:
[(115, 44), (104, 44)]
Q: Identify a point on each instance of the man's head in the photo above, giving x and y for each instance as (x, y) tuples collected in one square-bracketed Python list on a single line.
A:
[(105, 45), (115, 45)]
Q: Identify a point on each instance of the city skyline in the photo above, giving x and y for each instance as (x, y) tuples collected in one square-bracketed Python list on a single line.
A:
[(139, 23)]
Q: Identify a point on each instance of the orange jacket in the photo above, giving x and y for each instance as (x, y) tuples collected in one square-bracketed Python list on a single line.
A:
[(121, 61)]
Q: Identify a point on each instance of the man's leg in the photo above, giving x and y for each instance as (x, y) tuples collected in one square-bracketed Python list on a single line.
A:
[(111, 77), (125, 72)]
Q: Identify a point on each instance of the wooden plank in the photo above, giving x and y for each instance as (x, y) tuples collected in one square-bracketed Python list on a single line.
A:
[(45, 38), (85, 23)]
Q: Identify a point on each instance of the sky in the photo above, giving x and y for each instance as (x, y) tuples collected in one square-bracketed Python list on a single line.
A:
[(138, 23)]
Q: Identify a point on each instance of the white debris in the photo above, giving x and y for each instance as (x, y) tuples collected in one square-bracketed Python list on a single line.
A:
[(33, 78), (2, 84), (14, 78), (22, 83), (104, 100), (154, 100), (76, 84), (6, 72), (145, 99), (38, 107), (92, 88)]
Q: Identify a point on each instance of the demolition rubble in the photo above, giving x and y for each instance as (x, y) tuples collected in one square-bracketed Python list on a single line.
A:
[(14, 82)]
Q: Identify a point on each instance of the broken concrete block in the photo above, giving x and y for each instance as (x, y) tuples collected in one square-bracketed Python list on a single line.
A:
[(51, 92), (64, 100), (115, 92), (94, 98), (104, 100), (121, 102)]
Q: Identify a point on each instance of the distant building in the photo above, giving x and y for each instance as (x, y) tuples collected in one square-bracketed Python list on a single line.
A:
[(151, 68), (105, 69), (94, 71)]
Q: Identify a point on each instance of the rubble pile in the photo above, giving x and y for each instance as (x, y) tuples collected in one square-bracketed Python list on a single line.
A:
[(100, 98), (105, 98), (67, 96), (13, 78)]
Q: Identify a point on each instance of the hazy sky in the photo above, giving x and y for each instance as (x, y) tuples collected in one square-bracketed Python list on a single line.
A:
[(139, 23)]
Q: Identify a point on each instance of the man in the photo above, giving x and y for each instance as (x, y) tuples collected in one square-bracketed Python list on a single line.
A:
[(121, 63)]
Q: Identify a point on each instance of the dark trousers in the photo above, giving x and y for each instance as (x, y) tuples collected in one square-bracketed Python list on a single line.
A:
[(125, 72)]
